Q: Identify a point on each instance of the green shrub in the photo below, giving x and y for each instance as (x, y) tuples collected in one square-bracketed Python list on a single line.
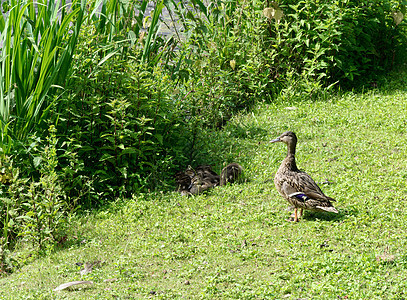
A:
[(122, 131), (224, 74), (44, 202), (335, 41), (10, 203), (32, 209), (243, 53)]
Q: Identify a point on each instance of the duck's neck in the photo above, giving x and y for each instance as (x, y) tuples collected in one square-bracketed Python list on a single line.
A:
[(291, 148), (290, 158), (289, 162)]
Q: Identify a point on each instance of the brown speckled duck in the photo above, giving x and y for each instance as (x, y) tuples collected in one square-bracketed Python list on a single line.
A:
[(296, 186), (203, 180), (230, 173), (195, 181)]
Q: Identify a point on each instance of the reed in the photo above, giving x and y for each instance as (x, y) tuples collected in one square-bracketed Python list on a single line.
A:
[(38, 45)]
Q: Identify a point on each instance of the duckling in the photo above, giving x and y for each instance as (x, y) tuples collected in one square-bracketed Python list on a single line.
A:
[(203, 180), (195, 181), (200, 184), (207, 174), (296, 186), (183, 181), (230, 173)]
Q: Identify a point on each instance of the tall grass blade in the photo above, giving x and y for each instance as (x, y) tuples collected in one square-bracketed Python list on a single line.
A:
[(201, 6), (37, 53), (152, 31)]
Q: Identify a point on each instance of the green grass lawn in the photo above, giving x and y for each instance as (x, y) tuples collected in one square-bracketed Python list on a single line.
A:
[(235, 242)]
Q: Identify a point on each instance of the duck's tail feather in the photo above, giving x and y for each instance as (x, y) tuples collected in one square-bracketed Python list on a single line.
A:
[(328, 209)]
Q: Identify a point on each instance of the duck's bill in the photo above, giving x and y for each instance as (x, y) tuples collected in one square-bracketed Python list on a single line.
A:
[(275, 140)]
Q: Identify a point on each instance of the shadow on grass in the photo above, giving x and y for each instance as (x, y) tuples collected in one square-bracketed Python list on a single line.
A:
[(342, 215)]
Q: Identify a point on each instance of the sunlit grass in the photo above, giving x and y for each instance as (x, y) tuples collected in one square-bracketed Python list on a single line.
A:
[(235, 242)]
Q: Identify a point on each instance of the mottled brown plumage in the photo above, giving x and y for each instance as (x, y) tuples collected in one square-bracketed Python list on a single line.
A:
[(196, 181), (203, 180), (183, 181), (230, 173), (296, 186)]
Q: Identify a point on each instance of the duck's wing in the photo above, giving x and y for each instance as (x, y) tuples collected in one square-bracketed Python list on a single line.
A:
[(303, 187), (308, 199)]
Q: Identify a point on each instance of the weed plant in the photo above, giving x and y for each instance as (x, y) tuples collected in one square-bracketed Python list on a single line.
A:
[(34, 211)]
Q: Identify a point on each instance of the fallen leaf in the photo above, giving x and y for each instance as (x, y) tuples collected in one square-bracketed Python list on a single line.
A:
[(232, 64), (72, 283), (268, 12), (278, 15), (274, 12)]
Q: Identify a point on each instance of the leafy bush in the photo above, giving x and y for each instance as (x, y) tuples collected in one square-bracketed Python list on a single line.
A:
[(44, 204), (254, 50), (123, 133), (334, 41), (227, 70)]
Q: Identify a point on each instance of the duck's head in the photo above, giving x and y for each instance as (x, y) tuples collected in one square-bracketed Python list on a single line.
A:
[(289, 138)]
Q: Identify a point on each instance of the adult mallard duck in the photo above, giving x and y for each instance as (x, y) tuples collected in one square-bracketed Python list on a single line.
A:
[(296, 186)]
